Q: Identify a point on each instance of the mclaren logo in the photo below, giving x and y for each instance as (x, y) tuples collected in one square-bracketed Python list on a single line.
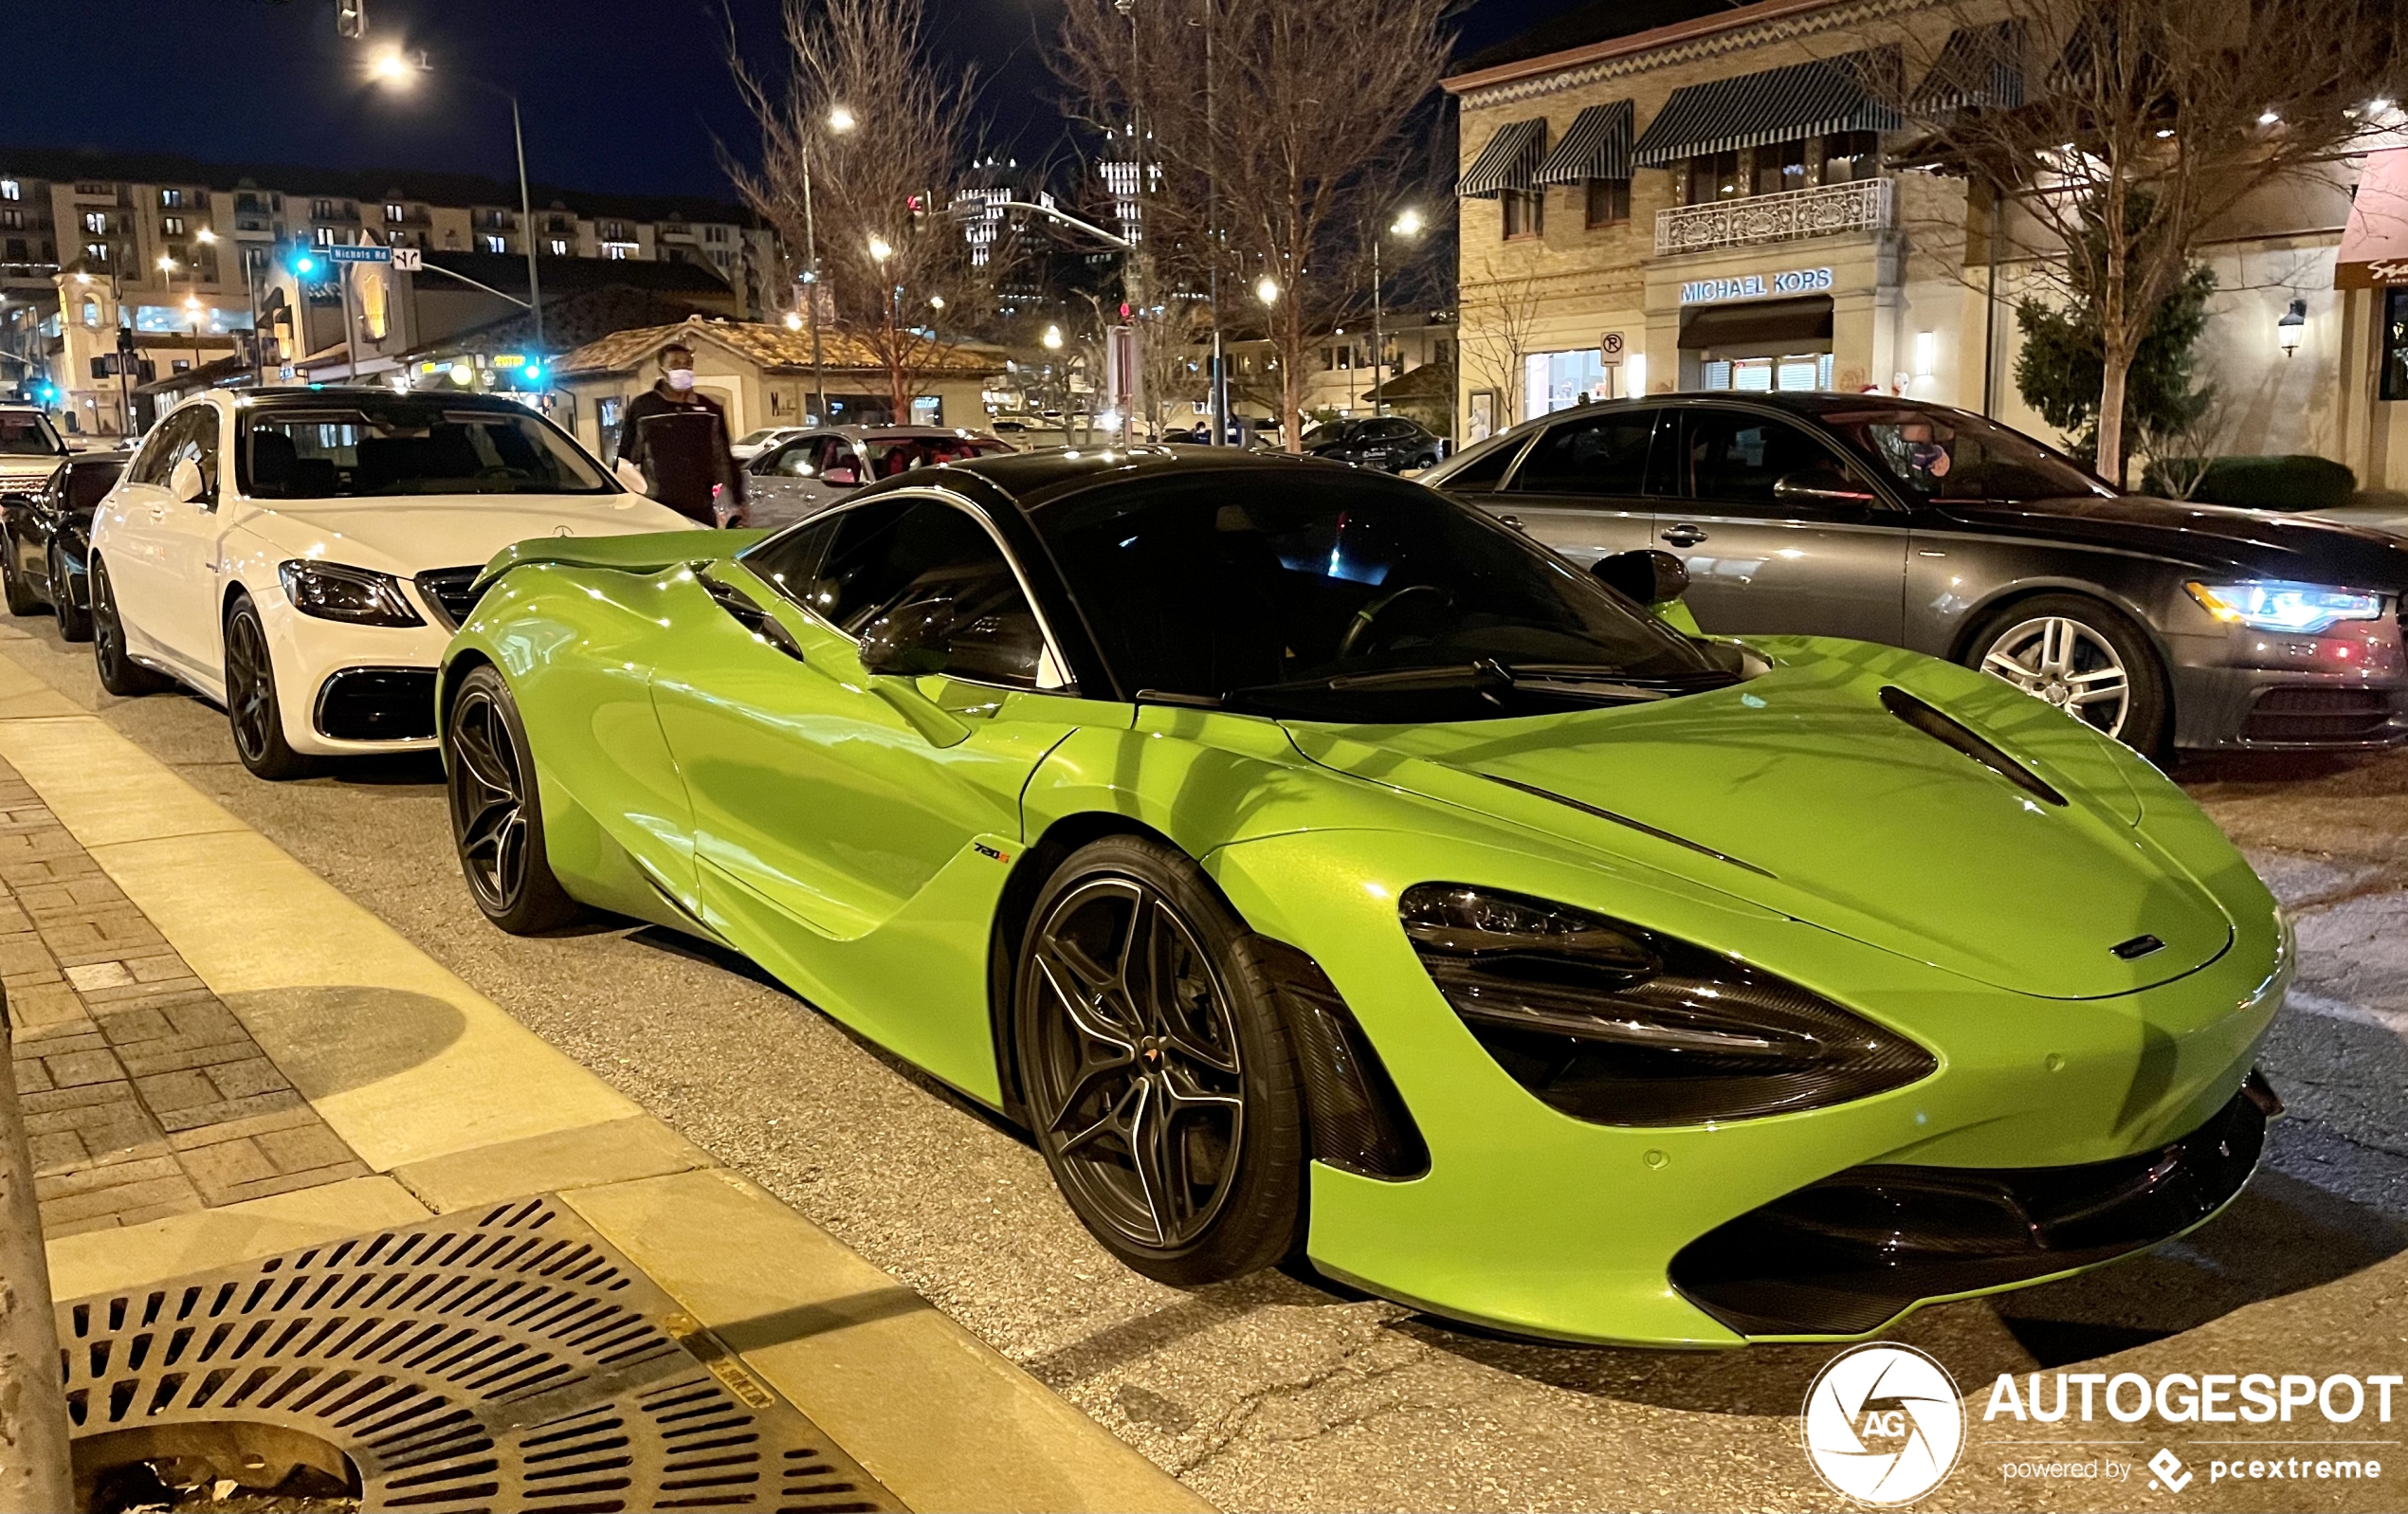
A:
[(1883, 1424)]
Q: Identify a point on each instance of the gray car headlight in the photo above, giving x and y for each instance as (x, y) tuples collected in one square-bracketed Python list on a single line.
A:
[(2279, 605), (1617, 1025), (330, 591)]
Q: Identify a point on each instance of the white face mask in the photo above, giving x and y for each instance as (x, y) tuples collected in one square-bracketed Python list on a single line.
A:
[(680, 379)]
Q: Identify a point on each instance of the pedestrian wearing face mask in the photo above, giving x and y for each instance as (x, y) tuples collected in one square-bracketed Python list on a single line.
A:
[(674, 443)]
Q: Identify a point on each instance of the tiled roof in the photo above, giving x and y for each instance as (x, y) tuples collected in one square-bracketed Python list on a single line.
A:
[(771, 347)]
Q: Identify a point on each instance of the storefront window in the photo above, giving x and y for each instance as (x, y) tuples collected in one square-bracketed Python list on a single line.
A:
[(1554, 381), (2395, 379), (1780, 168), (1714, 176), (1793, 374), (1850, 155)]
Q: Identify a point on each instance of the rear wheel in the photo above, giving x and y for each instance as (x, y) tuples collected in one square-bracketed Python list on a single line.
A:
[(1154, 1069), (119, 673), (252, 709), (75, 621), (20, 596), (496, 817), (2086, 659)]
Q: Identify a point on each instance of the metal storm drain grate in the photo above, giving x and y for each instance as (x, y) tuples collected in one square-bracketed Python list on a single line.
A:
[(500, 1359)]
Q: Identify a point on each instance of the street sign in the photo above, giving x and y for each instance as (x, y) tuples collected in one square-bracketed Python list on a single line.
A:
[(343, 255), (408, 260)]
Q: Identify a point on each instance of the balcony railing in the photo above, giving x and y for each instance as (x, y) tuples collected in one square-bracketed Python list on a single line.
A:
[(1861, 206)]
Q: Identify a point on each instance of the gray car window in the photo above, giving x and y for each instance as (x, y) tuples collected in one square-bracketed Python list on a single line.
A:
[(1736, 459), (1595, 455)]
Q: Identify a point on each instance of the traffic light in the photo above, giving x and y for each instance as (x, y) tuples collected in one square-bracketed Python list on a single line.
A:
[(304, 262), (917, 206), (45, 392)]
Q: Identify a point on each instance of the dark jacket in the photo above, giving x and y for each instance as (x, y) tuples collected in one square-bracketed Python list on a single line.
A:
[(680, 442)]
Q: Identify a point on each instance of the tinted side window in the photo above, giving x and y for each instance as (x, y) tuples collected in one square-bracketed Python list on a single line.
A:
[(791, 461), (87, 483), (922, 551), (790, 561), (1597, 454), (1731, 458), (159, 454), (1486, 471)]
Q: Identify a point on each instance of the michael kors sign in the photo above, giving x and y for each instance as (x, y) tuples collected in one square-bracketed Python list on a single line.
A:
[(1754, 286)]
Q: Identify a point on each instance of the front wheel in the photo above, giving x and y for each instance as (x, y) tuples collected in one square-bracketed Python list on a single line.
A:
[(1154, 1069), (496, 815), (75, 621), (2086, 659), (119, 673), (252, 709)]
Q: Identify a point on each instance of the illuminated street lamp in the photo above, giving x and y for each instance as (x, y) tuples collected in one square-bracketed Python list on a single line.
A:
[(1407, 224), (1052, 338), (880, 250), (794, 320), (1266, 290), (840, 118), (2291, 326)]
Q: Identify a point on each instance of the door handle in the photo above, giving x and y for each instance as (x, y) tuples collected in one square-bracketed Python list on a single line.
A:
[(1683, 535), (158, 512)]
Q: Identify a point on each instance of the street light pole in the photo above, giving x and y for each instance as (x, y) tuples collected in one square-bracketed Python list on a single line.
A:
[(527, 220), (810, 282), (1378, 340)]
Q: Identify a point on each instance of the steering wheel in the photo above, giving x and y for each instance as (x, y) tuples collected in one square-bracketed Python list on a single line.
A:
[(1361, 627)]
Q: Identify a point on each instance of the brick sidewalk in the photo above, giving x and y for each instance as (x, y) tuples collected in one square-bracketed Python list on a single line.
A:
[(143, 1096)]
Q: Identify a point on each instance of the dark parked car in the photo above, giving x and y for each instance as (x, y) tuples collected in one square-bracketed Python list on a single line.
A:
[(1389, 443), (45, 540), (2166, 625)]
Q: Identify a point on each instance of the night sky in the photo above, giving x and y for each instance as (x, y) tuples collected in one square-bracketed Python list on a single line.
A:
[(625, 95)]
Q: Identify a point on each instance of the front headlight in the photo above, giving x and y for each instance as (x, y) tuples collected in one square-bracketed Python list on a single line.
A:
[(1619, 1025), (2275, 605), (333, 591)]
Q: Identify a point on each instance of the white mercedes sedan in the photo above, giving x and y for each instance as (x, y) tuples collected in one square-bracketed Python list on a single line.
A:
[(303, 556)]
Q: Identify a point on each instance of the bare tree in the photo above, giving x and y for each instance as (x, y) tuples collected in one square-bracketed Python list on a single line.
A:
[(2147, 126), (864, 140), (1277, 123), (1500, 313)]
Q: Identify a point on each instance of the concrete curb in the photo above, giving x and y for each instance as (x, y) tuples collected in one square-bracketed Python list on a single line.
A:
[(452, 1103)]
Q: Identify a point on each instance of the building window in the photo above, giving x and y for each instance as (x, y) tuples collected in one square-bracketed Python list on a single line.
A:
[(172, 199), (2394, 380), (615, 251), (322, 209), (559, 247), (1780, 168), (180, 365), (12, 190), (1609, 202), (1850, 155), (714, 233), (1525, 213), (494, 243), (95, 252), (322, 235), (172, 225), (92, 313), (1714, 176), (394, 215), (96, 221), (13, 220)]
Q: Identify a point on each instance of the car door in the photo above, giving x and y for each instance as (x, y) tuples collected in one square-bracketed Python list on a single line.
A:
[(1780, 534), (161, 552), (1581, 487), (847, 824)]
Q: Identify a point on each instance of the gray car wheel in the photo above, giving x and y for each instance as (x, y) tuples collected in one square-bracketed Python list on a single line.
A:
[(2084, 659)]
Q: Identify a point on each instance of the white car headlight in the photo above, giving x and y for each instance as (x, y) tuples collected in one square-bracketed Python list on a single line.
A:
[(2274, 605), (330, 591)]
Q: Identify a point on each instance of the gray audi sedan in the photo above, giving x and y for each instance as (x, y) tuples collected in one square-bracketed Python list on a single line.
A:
[(2164, 624)]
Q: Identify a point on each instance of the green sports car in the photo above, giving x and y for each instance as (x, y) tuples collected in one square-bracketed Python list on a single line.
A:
[(1313, 864)]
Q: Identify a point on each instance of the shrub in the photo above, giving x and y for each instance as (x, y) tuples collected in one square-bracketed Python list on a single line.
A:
[(2297, 481)]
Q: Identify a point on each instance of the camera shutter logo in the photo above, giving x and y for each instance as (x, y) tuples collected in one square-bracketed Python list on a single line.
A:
[(1883, 1424)]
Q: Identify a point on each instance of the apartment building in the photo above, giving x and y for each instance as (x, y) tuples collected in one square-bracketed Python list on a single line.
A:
[(1663, 195)]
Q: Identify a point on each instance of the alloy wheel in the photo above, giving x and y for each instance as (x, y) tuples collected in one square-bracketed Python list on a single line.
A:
[(250, 686), (2067, 664), (489, 801), (1136, 1083)]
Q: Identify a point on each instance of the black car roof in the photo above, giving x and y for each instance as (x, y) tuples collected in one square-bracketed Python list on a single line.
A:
[(1033, 480)]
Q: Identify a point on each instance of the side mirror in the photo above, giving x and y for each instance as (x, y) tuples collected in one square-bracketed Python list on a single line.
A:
[(186, 482), (908, 640), (1823, 481), (1648, 576), (842, 476)]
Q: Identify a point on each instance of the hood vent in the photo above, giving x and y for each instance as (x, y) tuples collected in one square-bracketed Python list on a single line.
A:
[(1945, 729), (1639, 826)]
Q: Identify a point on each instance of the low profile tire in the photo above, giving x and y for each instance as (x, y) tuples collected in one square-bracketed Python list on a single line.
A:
[(2086, 658), (1154, 1069), (252, 710), (75, 621), (20, 597), (119, 673), (496, 817)]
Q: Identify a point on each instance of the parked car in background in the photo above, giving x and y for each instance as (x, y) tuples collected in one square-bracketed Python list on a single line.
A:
[(1389, 443), (29, 447), (45, 537), (753, 444), (805, 474), (2164, 624), (302, 555)]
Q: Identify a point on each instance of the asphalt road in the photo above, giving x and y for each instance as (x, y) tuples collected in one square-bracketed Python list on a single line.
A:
[(1280, 1393)]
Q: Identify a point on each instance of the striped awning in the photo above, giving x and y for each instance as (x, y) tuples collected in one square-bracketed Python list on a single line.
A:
[(1510, 161), (1852, 92), (1979, 66), (1597, 147)]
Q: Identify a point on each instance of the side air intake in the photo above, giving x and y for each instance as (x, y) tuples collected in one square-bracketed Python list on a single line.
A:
[(1945, 729)]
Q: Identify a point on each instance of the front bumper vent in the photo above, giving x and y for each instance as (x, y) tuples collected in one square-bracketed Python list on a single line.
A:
[(2286, 715), (377, 705)]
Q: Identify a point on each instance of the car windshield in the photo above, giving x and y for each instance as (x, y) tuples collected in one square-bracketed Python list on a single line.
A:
[(28, 434), (756, 438), (1329, 431), (1947, 455), (890, 455), (355, 449), (1348, 597)]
